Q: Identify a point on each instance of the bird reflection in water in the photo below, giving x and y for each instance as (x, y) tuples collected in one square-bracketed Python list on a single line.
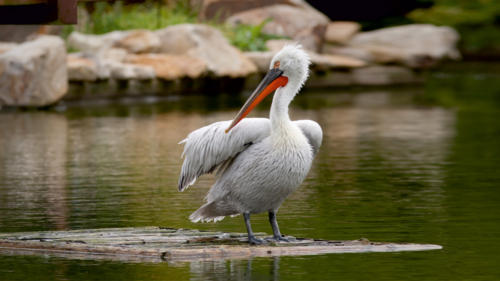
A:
[(250, 269)]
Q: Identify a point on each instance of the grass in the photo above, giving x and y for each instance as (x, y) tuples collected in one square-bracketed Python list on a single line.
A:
[(109, 17)]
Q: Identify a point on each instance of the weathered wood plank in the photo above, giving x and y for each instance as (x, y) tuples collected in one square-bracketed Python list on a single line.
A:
[(67, 11), (21, 2), (156, 244)]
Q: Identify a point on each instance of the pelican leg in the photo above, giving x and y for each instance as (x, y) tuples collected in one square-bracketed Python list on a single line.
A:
[(251, 237), (276, 230)]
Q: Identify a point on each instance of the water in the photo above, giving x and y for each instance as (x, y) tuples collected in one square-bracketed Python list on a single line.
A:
[(402, 165)]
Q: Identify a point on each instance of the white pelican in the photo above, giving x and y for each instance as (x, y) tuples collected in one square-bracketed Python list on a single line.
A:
[(259, 161)]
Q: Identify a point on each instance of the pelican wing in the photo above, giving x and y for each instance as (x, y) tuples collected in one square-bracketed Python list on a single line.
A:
[(209, 148), (313, 133)]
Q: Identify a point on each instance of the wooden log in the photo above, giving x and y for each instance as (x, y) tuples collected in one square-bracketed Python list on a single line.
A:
[(155, 244)]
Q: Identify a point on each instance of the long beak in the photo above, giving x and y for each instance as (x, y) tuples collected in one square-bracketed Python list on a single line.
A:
[(272, 81)]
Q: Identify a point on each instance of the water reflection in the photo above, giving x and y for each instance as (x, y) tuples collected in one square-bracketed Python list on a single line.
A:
[(390, 169), (33, 168), (65, 171), (234, 270)]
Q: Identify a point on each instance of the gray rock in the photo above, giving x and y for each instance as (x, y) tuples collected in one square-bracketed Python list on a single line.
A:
[(126, 71), (261, 59), (319, 61), (325, 62), (89, 43), (311, 38), (34, 73), (221, 9), (170, 67), (81, 68), (357, 53), (301, 22), (341, 31), (5, 46), (415, 45), (139, 41), (285, 20), (208, 45)]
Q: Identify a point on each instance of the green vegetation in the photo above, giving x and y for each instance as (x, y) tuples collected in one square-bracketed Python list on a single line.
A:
[(477, 21), (109, 17), (248, 37)]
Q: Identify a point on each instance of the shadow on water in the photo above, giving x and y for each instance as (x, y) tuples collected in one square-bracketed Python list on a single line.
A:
[(399, 165)]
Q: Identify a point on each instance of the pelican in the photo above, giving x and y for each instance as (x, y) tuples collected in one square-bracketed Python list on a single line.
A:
[(258, 161)]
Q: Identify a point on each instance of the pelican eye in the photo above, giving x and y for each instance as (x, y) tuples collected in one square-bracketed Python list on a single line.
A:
[(277, 64)]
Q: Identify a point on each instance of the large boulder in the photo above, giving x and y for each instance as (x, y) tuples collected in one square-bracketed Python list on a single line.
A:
[(261, 59), (341, 32), (222, 9), (134, 41), (34, 73), (5, 46), (139, 41), (127, 71), (302, 23), (170, 67), (90, 43), (208, 45), (81, 68), (319, 61), (415, 45)]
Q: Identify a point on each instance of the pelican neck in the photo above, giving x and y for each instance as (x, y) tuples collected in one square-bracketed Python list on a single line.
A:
[(280, 120)]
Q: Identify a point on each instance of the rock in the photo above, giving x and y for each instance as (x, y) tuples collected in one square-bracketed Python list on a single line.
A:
[(125, 71), (357, 53), (415, 45), (292, 21), (222, 9), (81, 68), (208, 45), (261, 59), (112, 54), (319, 61), (90, 43), (312, 38), (384, 75), (139, 41), (341, 31), (34, 73), (170, 66), (5, 46), (325, 62), (274, 45), (107, 59)]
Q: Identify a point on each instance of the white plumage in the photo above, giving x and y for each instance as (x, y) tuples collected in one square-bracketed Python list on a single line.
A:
[(260, 161)]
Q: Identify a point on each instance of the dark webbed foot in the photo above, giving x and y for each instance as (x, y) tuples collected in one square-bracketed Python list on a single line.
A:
[(280, 239), (252, 240), (277, 239)]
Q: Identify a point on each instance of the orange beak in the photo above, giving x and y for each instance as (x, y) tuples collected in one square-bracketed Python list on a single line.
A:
[(272, 81)]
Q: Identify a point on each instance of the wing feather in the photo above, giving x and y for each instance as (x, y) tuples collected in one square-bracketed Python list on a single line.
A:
[(209, 148), (313, 133)]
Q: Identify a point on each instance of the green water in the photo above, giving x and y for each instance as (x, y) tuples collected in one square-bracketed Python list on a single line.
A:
[(403, 165)]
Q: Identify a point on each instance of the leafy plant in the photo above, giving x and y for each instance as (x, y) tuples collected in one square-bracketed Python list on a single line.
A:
[(249, 37)]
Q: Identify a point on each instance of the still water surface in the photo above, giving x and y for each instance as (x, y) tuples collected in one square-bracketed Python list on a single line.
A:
[(403, 165)]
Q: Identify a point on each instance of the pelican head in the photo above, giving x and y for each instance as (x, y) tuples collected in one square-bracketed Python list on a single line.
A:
[(288, 68)]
